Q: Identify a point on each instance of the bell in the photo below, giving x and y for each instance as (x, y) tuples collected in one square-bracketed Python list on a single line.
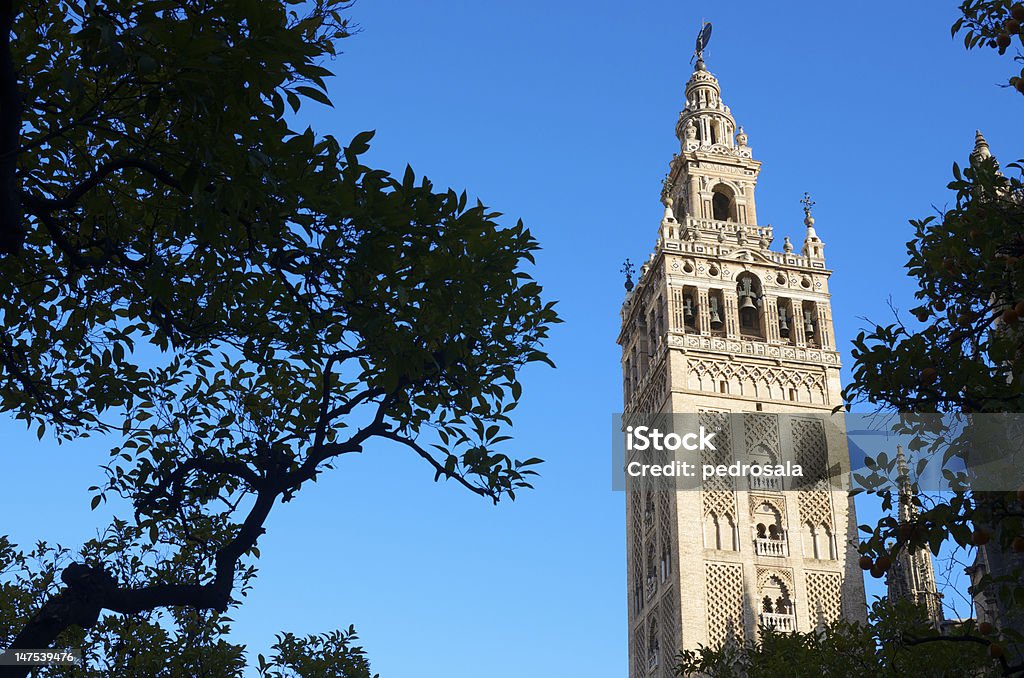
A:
[(716, 320), (687, 308), (808, 324), (783, 322), (747, 295)]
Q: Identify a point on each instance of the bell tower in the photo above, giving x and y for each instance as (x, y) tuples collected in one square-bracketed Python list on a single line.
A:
[(722, 327)]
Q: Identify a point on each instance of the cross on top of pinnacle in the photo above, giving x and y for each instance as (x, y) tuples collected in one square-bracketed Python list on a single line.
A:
[(807, 203)]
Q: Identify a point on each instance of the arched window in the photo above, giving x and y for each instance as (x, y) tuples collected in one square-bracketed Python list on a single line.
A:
[(723, 203), (728, 534), (711, 531), (720, 206), (810, 540), (776, 605), (762, 455), (830, 544), (769, 534)]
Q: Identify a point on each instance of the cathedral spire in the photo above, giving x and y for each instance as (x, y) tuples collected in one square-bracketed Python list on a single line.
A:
[(912, 576), (907, 507)]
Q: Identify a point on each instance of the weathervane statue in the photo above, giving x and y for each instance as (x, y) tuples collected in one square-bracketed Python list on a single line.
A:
[(702, 41)]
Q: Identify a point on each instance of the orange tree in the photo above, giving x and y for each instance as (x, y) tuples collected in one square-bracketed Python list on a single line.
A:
[(897, 641), (961, 356), (241, 303), (996, 24)]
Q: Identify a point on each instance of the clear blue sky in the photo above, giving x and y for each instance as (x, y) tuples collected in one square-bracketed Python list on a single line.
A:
[(562, 114)]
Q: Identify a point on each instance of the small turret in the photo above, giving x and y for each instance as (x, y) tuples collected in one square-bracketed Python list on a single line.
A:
[(814, 248)]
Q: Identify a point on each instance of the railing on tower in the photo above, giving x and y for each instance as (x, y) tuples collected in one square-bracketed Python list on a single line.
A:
[(773, 548), (765, 483), (779, 622)]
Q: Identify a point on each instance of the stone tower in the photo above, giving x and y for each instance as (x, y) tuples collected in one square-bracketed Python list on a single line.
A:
[(912, 576), (722, 327)]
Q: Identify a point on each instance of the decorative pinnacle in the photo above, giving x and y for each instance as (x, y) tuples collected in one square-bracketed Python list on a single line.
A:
[(629, 270), (981, 149), (669, 214)]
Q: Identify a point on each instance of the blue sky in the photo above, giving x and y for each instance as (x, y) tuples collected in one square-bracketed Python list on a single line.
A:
[(562, 114)]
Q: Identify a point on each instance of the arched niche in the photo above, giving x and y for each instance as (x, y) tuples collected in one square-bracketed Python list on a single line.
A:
[(723, 203)]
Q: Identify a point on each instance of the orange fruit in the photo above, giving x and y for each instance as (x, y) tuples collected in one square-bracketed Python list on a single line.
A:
[(1017, 12), (865, 563), (1017, 544), (929, 375), (884, 562), (980, 536), (996, 651), (1002, 40), (1012, 26), (1010, 316), (877, 572), (986, 628), (1019, 308)]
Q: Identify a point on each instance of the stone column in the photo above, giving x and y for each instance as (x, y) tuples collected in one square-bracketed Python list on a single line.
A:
[(797, 328), (770, 318), (703, 306), (825, 326), (731, 314)]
